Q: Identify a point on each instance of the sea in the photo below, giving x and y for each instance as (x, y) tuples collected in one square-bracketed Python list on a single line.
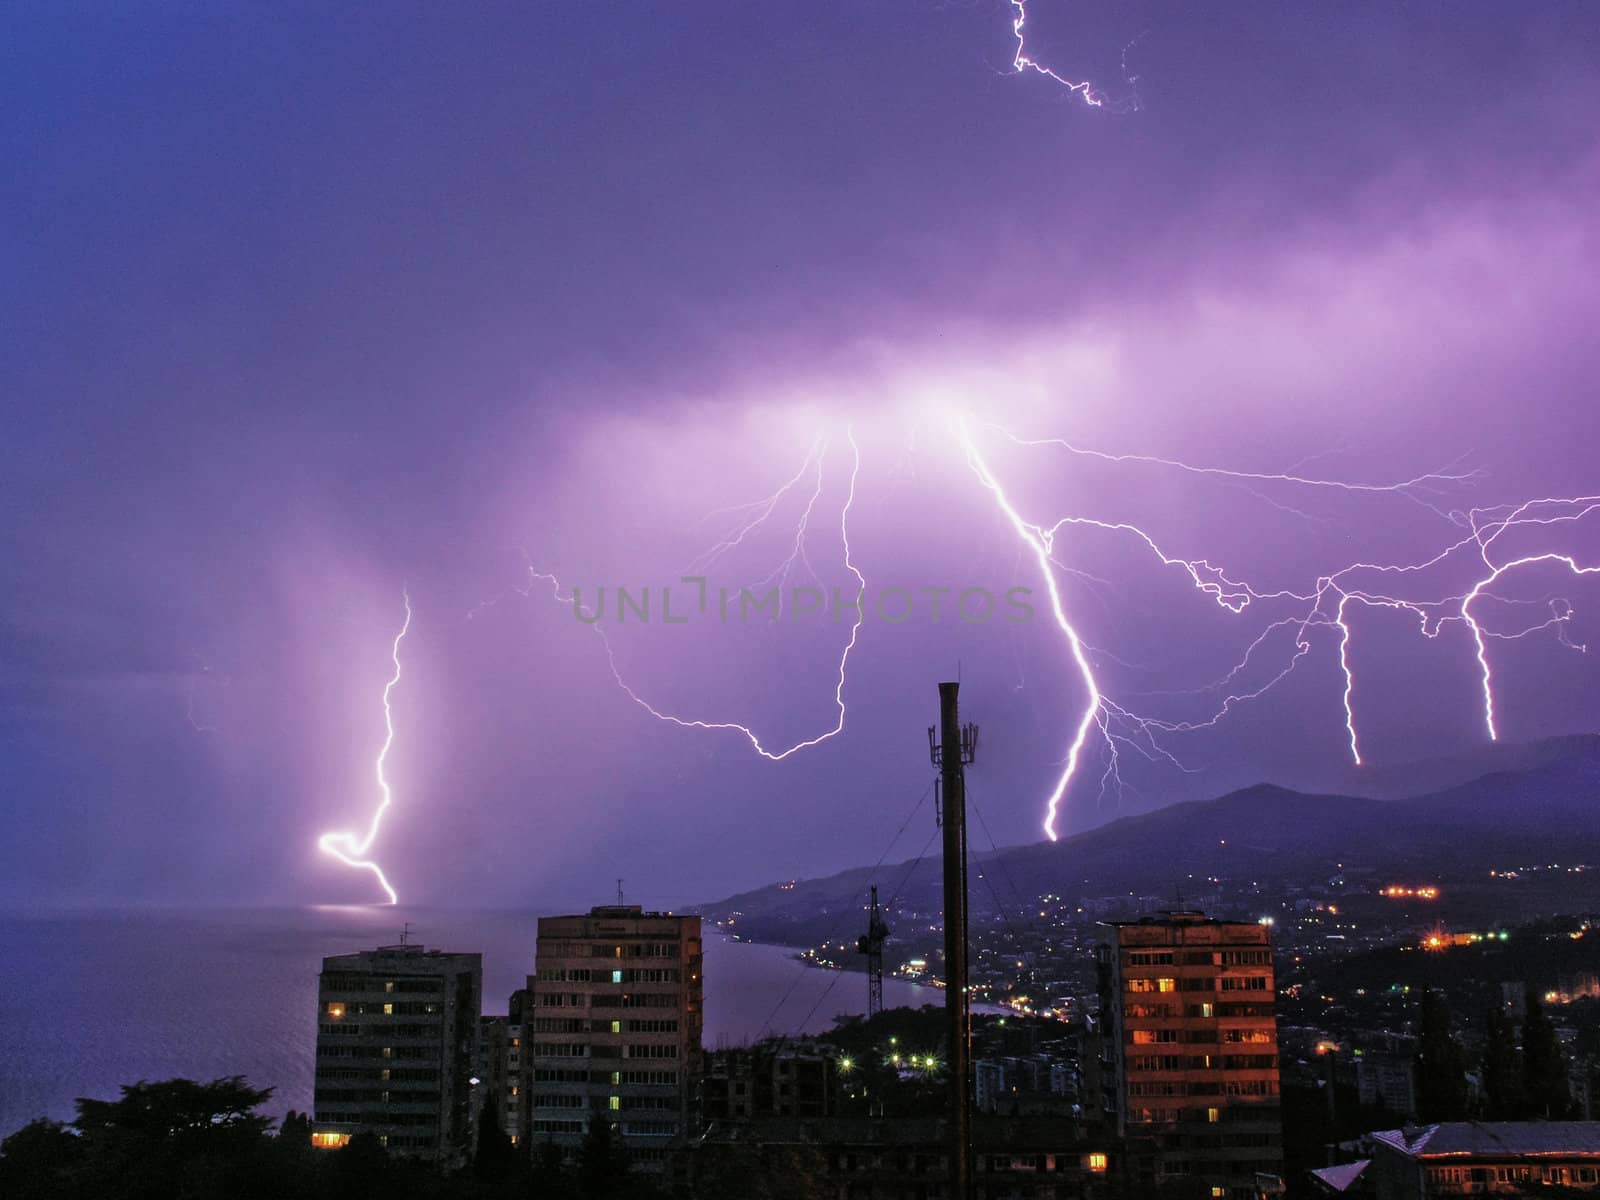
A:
[(90, 1001)]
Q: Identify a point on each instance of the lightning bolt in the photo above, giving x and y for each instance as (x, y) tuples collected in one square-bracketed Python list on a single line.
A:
[(1454, 583), (346, 847), (1038, 541), (1327, 605), (1022, 61), (753, 515), (1486, 674)]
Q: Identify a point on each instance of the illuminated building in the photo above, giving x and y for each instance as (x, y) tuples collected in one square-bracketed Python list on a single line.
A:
[(1191, 1052), (1462, 1158), (614, 1030), (499, 1071), (397, 1042)]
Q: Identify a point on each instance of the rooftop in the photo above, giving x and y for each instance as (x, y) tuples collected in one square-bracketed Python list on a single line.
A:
[(1173, 916), (1495, 1139), (1339, 1178)]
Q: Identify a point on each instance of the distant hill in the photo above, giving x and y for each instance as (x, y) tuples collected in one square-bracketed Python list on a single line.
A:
[(1545, 807), (1437, 774)]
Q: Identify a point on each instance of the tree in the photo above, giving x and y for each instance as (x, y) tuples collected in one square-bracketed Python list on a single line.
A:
[(360, 1169), (295, 1129), (38, 1160), (1504, 1092), (1441, 1064), (798, 1173), (548, 1171), (175, 1139), (179, 1111), (495, 1157), (1544, 1069), (602, 1162)]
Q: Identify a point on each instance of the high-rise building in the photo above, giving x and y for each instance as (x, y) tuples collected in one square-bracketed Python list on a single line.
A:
[(1192, 1052), (397, 1041), (499, 1071), (613, 1033)]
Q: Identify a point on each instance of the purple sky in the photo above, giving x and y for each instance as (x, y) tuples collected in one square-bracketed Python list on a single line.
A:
[(306, 304)]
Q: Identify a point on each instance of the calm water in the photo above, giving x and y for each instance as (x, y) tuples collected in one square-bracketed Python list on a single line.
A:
[(88, 1002)]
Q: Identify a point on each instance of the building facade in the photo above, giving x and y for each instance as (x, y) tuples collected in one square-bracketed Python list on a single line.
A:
[(397, 1044), (499, 1071), (906, 1158), (790, 1079), (1476, 1158), (613, 1031), (1190, 1052)]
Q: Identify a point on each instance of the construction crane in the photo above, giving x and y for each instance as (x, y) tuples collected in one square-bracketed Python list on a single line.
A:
[(871, 944)]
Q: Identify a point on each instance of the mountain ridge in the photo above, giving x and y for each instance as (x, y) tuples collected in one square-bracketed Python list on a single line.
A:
[(1545, 794)]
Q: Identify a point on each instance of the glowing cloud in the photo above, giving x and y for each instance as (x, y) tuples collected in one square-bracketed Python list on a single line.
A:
[(752, 516)]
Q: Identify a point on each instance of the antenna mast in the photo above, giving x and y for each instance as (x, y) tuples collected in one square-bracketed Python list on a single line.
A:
[(871, 944)]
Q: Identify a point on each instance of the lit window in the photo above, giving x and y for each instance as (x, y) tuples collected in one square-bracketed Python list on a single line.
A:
[(388, 985), (330, 1141), (388, 1010), (1097, 1162), (1208, 1010), (1218, 1191), (616, 1078), (335, 1009), (616, 1027), (616, 977), (616, 1104), (1213, 1115), (1166, 985)]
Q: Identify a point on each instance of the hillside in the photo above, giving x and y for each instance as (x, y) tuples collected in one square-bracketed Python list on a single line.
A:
[(1535, 814)]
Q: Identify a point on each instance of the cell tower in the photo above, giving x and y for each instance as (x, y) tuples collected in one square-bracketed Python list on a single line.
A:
[(871, 943)]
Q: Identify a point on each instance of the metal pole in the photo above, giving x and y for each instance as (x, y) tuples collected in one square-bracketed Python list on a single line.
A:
[(953, 756)]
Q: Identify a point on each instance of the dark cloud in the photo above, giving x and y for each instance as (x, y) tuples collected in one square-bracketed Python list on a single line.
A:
[(305, 307)]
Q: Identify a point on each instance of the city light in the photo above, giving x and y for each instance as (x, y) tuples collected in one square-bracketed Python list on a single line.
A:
[(1398, 892)]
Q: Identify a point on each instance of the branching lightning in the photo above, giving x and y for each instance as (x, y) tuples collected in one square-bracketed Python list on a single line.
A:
[(1022, 60), (347, 847), (1297, 618), (751, 517), (1326, 605), (1038, 541)]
